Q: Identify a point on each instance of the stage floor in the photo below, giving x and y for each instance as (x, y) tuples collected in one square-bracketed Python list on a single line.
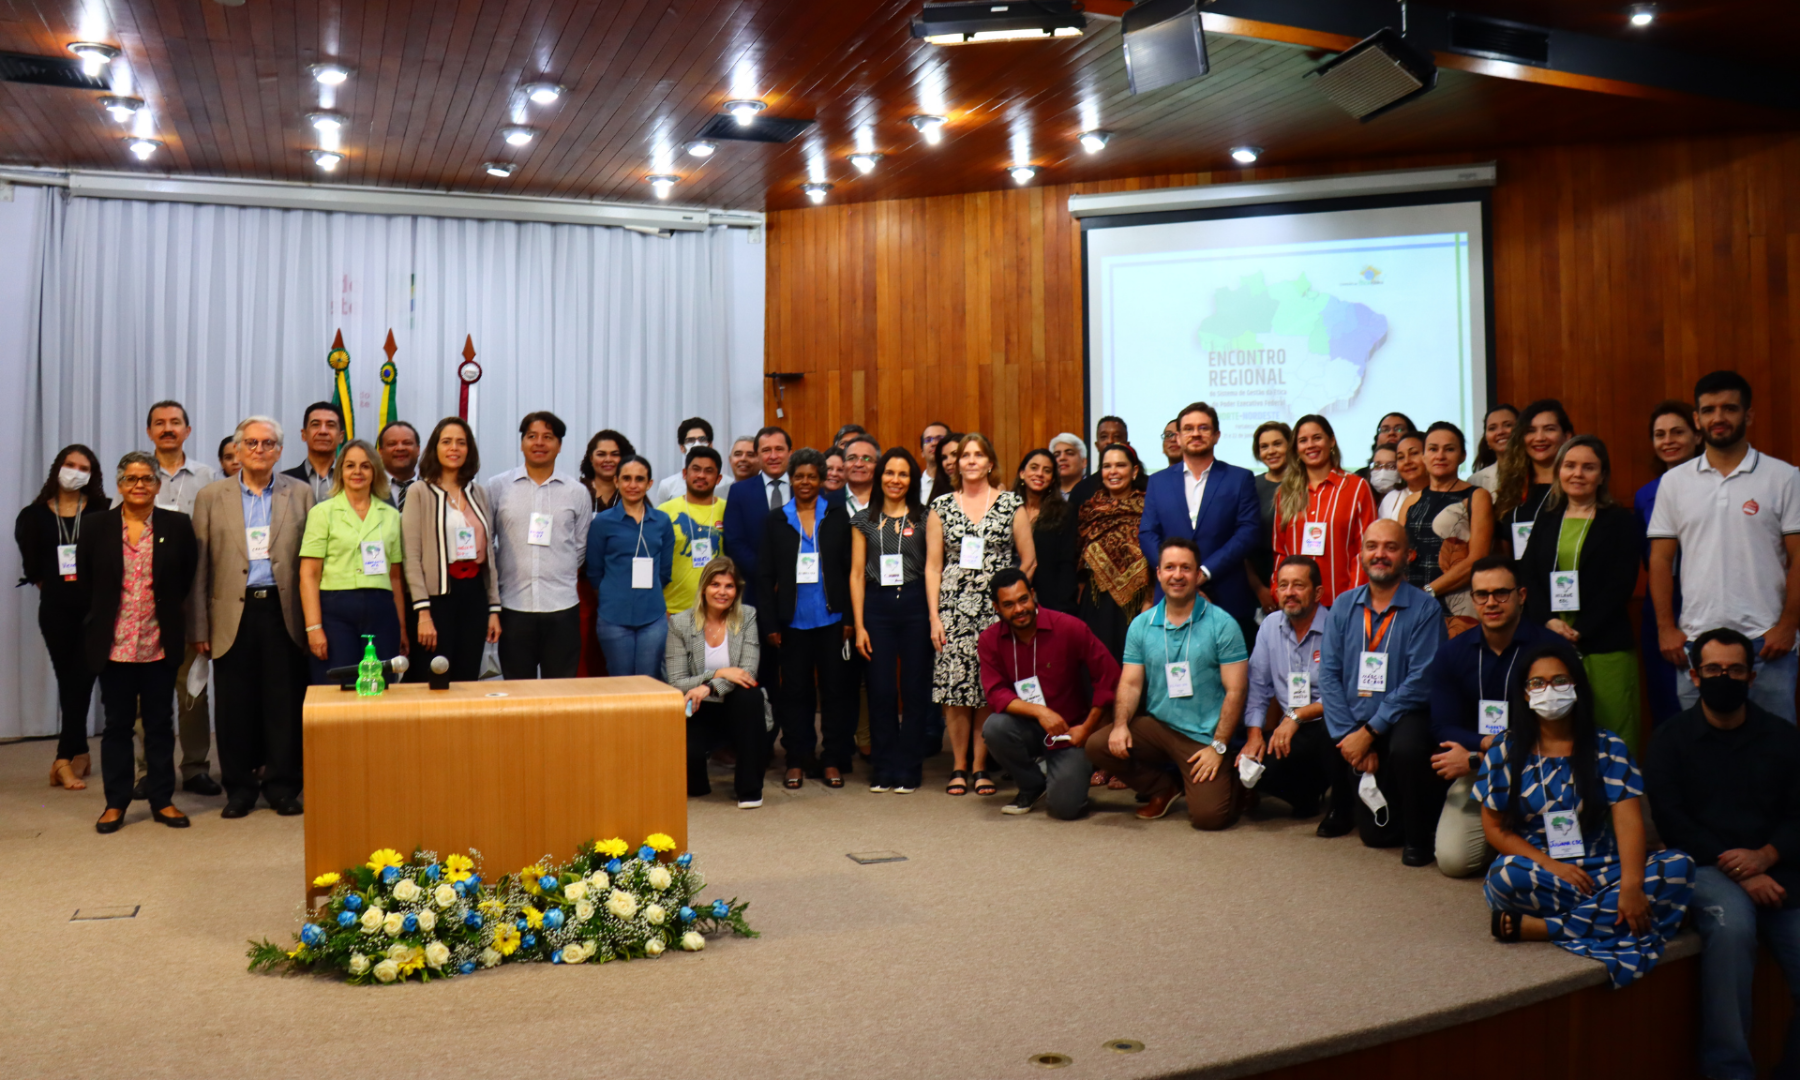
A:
[(997, 939)]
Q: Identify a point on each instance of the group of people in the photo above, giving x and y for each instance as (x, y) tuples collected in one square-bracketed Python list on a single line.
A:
[(1437, 663)]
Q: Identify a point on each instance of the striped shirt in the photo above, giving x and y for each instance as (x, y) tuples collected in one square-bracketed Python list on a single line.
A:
[(1344, 503)]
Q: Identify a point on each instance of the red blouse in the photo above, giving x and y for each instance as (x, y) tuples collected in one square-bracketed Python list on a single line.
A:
[(1344, 503)]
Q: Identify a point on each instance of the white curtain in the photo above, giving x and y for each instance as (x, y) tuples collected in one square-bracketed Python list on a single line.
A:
[(231, 310)]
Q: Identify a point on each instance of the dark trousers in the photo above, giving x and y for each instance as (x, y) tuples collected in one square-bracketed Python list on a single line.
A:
[(461, 618), (540, 644), (74, 682), (1412, 811), (1300, 779), (1017, 743), (348, 614), (258, 686), (736, 720), (899, 681), (128, 691), (806, 655), (1420, 788)]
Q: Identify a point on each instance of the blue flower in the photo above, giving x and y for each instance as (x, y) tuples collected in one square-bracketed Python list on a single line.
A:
[(556, 957), (613, 865), (721, 910), (472, 920), (353, 902), (647, 853), (345, 918), (519, 925), (474, 881), (312, 934), (389, 875), (686, 913), (686, 860), (553, 919), (432, 871), (468, 967), (411, 923), (529, 941), (546, 883)]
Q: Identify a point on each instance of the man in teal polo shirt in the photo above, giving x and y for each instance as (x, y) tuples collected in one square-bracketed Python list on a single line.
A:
[(1185, 663)]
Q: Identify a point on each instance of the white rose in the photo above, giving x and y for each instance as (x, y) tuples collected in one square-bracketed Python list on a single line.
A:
[(371, 919), (584, 910), (573, 954), (445, 896), (427, 920), (655, 914), (406, 890), (692, 941), (654, 947), (622, 904), (589, 948), (394, 924), (358, 963), (660, 878), (599, 880), (489, 957), (398, 952), (387, 971), (574, 890), (437, 954)]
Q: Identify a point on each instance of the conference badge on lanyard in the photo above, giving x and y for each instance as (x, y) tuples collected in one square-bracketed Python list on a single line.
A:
[(374, 555), (65, 561), (806, 568), (974, 551), (1490, 717), (1030, 689), (1299, 690), (1371, 666), (256, 542), (1312, 538), (643, 572), (1565, 590), (537, 534), (701, 549), (1563, 829), (464, 538), (890, 570), (1181, 682), (1521, 535)]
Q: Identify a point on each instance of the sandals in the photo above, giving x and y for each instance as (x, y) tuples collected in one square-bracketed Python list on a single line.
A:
[(959, 783), (983, 785), (63, 775), (1099, 778), (835, 781), (1116, 784), (1506, 927), (794, 780)]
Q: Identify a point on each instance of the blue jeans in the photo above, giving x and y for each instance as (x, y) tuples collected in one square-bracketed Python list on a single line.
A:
[(1773, 688), (1730, 923), (633, 650)]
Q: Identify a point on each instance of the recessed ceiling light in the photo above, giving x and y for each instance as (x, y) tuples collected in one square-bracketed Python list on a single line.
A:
[(932, 127), (1094, 141), (325, 121), (326, 160), (121, 108), (1643, 14), (661, 184), (543, 93), (329, 74), (1246, 155), (1022, 174), (517, 136), (94, 56), (745, 110), (816, 191), (500, 168), (143, 148), (701, 148), (865, 163)]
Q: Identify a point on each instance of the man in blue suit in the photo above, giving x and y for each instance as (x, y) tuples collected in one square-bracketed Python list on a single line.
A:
[(748, 502), (1211, 503)]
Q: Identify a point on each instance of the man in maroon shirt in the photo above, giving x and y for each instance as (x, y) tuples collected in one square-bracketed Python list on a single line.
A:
[(1050, 683)]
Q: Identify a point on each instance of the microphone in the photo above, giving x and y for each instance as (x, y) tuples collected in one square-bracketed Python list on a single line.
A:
[(391, 670), (440, 673)]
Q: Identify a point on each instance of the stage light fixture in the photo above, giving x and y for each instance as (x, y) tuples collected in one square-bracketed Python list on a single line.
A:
[(960, 22), (326, 160), (517, 136), (661, 184), (1643, 14), (329, 74), (1094, 141), (543, 93), (94, 56), (327, 122), (1246, 155), (121, 108), (501, 169), (142, 149), (745, 110), (701, 148), (816, 192), (932, 127), (865, 163), (1022, 174)]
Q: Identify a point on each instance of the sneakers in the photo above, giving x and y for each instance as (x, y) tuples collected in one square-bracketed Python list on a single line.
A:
[(1022, 803), (903, 789), (749, 804), (879, 787)]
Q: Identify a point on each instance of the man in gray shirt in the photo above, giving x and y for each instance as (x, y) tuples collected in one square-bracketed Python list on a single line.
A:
[(540, 545)]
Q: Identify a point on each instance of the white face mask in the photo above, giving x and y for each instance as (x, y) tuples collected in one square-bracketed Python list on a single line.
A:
[(71, 478), (1370, 793), (1384, 480), (1551, 703)]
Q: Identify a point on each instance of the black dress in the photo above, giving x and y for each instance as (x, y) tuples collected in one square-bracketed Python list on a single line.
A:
[(1055, 578), (1262, 553), (38, 532)]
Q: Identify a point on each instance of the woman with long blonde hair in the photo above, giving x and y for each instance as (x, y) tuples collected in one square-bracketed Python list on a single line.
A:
[(1321, 510), (711, 656)]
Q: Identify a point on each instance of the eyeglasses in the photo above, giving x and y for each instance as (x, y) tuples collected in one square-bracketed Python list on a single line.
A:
[(259, 444), (866, 459), (1713, 671), (137, 481), (1482, 596), (1555, 682)]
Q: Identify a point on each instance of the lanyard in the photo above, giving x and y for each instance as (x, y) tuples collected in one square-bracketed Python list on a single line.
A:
[(74, 533), (640, 537), (899, 549), (1480, 681), (1537, 766), (1373, 633), (978, 521), (1586, 524), (1187, 639), (1015, 645)]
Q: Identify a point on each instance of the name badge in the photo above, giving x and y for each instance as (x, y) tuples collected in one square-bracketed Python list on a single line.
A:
[(256, 541), (463, 539), (701, 549), (890, 570), (538, 532), (1490, 717), (374, 554), (1181, 681), (1565, 590), (1312, 538), (1563, 829), (643, 572), (1371, 674), (974, 551), (806, 568), (65, 561), (1521, 534), (1030, 689), (1299, 690)]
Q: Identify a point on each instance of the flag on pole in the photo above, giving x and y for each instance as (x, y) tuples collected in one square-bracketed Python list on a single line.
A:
[(389, 375), (339, 359)]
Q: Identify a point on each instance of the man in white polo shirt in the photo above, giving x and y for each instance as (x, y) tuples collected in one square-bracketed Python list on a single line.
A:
[(1733, 516)]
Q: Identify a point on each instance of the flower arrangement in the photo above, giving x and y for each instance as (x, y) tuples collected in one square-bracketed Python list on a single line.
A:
[(396, 917)]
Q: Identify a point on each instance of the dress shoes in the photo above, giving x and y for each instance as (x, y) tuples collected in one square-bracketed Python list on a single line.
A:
[(288, 807), (113, 826), (1417, 856), (1336, 824), (176, 821), (237, 809), (202, 784), (1157, 806)]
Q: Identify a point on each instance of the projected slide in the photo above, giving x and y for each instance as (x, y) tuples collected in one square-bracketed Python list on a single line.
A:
[(1351, 314)]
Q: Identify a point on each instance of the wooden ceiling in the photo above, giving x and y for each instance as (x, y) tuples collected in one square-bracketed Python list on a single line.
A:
[(434, 81)]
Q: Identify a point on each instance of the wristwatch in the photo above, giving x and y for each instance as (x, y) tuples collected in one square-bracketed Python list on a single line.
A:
[(1474, 762), (1430, 592), (1219, 748)]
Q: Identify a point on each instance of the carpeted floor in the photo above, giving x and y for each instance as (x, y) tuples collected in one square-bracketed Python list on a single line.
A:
[(999, 938)]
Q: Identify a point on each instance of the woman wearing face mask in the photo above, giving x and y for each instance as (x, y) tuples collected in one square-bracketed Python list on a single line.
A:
[(1052, 531), (893, 627), (1579, 575), (1673, 440), (1321, 510), (1496, 428), (1388, 432), (46, 532), (1273, 443), (1450, 524), (1409, 464), (1526, 471), (1384, 471), (1560, 803)]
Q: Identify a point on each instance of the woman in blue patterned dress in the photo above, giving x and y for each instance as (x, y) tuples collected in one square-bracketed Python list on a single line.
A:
[(1560, 803)]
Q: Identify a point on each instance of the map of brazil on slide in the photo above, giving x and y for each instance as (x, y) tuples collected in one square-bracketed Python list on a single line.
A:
[(1288, 340)]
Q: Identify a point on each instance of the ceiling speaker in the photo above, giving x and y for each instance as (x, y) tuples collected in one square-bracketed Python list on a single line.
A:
[(1164, 44), (1377, 74)]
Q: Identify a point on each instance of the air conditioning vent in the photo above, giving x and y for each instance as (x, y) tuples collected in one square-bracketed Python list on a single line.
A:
[(49, 71), (1497, 39), (769, 129)]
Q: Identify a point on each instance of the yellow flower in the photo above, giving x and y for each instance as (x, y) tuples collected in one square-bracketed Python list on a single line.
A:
[(413, 962), (612, 849), (528, 878), (386, 857), (297, 953), (458, 867), (325, 881), (490, 908), (660, 842), (506, 939), (533, 917)]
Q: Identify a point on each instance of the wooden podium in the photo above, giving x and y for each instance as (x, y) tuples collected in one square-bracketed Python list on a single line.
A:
[(515, 770)]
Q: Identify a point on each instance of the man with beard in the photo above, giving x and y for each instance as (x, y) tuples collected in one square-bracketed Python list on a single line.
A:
[(1376, 684), (1284, 671), (1733, 516)]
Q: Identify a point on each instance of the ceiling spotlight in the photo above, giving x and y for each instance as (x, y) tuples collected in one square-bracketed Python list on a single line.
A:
[(816, 192), (932, 127), (661, 184), (326, 160), (143, 148), (1094, 141), (701, 148), (543, 93), (865, 163), (121, 108), (326, 122), (94, 56), (745, 111), (1246, 155), (329, 74), (1022, 174), (1643, 14), (500, 168), (517, 136)]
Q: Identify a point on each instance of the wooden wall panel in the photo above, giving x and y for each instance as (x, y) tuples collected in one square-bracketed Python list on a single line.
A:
[(1621, 273)]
